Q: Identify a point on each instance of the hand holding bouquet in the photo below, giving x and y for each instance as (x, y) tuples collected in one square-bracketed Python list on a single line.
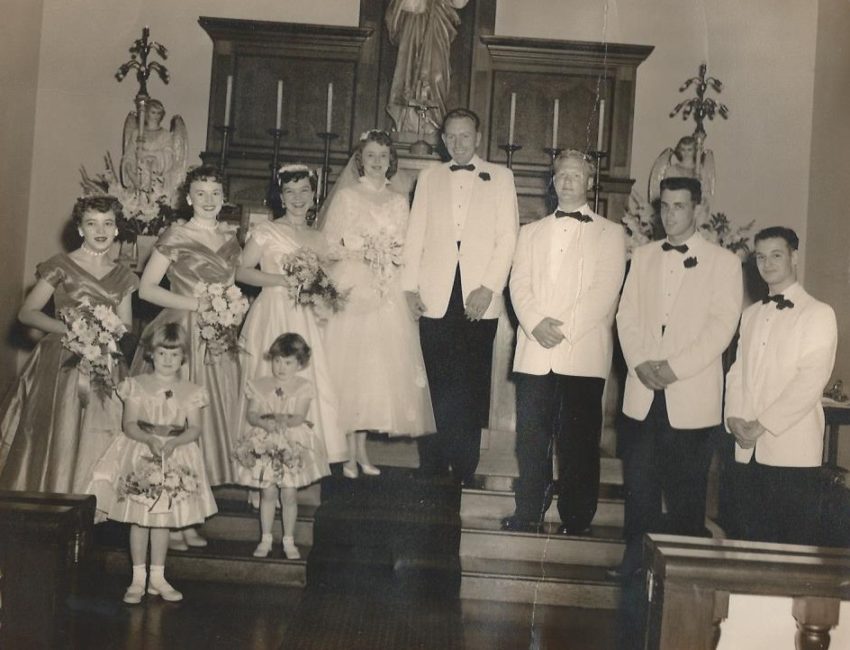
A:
[(92, 337), (157, 484), (221, 313), (309, 284)]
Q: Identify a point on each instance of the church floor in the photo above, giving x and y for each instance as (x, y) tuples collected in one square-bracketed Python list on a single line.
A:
[(235, 616)]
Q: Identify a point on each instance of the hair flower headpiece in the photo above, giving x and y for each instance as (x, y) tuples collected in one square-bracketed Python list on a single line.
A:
[(365, 135), (291, 168)]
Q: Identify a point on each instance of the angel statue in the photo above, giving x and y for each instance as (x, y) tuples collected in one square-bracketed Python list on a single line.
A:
[(423, 30), (687, 159), (154, 165)]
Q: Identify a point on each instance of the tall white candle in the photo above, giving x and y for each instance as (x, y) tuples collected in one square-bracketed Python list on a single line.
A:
[(555, 116), (277, 118), (330, 107), (601, 125), (512, 120), (142, 120), (227, 100)]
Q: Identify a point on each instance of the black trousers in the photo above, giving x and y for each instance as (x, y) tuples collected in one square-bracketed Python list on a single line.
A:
[(661, 460), (458, 355), (570, 409), (778, 504)]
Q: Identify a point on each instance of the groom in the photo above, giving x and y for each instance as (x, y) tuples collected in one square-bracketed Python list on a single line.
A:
[(460, 242)]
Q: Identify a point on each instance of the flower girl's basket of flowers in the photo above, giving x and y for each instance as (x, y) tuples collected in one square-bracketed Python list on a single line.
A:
[(268, 456), (309, 285), (220, 318), (157, 483), (92, 337)]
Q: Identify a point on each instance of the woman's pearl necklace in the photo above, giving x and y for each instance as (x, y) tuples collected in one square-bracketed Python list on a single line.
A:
[(194, 222), (93, 253)]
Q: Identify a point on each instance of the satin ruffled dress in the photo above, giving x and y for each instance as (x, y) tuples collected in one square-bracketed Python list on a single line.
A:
[(191, 264), (373, 344), (53, 427), (274, 313), (305, 441), (126, 459)]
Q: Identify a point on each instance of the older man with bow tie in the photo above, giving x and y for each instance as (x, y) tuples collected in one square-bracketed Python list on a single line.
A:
[(460, 240), (567, 273), (773, 400)]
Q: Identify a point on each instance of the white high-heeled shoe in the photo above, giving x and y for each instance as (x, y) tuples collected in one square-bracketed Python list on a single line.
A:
[(369, 469), (349, 472)]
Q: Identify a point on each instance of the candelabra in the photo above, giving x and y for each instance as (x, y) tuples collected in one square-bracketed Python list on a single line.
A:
[(226, 133), (509, 150), (326, 164), (598, 157), (277, 134), (553, 153)]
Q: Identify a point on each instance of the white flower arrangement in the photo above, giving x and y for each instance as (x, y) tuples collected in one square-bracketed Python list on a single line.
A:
[(309, 285), (157, 482), (92, 337), (262, 451), (222, 310)]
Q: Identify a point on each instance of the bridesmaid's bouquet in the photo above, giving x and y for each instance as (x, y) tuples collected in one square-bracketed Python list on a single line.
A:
[(309, 284), (92, 337), (223, 308), (261, 451), (157, 484), (382, 252)]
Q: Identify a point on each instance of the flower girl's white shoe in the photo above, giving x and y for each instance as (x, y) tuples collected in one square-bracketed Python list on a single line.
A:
[(289, 549), (264, 547), (134, 593), (165, 591)]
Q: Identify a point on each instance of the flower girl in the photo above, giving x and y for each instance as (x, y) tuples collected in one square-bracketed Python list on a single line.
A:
[(153, 476), (280, 451)]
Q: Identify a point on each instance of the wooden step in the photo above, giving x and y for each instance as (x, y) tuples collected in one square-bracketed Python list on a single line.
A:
[(497, 504), (221, 561), (540, 583), (482, 538)]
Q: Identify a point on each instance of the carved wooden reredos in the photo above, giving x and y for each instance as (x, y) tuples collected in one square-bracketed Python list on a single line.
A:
[(359, 61)]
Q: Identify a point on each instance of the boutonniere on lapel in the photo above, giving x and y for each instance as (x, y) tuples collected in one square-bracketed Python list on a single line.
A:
[(690, 262), (168, 394), (484, 176), (278, 391)]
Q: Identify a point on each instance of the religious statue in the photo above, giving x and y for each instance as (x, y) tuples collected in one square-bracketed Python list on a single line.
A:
[(423, 30), (155, 163), (686, 159)]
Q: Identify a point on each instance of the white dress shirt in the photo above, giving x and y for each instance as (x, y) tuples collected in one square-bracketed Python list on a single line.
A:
[(673, 270), (461, 193)]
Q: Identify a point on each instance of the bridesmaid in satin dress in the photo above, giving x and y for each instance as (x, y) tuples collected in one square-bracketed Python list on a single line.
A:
[(201, 250), (53, 426)]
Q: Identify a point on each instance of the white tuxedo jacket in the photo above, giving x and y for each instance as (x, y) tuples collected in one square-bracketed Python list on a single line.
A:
[(702, 322), (489, 234), (587, 314), (782, 387)]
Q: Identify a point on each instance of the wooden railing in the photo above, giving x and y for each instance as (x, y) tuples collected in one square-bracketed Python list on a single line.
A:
[(689, 580)]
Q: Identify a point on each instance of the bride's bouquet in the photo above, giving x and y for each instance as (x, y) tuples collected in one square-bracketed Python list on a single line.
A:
[(309, 285), (262, 451), (221, 315), (382, 252), (92, 337), (157, 484)]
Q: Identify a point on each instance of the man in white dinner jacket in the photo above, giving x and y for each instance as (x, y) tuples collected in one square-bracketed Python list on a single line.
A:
[(773, 400), (566, 278), (679, 310), (460, 241)]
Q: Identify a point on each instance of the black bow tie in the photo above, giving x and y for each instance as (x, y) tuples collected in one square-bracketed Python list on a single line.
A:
[(469, 168), (667, 246), (578, 216), (781, 301)]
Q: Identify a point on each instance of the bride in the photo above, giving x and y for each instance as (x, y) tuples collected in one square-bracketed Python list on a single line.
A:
[(373, 344)]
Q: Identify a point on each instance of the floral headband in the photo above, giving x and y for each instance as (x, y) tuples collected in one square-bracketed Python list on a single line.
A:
[(365, 135), (294, 168)]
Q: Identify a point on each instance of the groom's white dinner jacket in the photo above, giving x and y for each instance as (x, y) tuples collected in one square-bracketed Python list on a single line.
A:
[(487, 237), (785, 358), (570, 271), (702, 318)]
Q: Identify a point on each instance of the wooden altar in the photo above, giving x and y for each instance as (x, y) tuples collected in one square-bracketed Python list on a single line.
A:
[(359, 62)]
